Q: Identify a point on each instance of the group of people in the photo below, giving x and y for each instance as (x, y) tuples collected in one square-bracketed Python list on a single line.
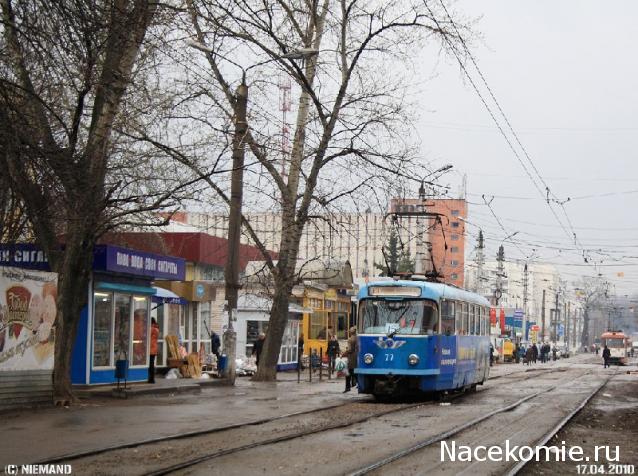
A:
[(534, 352), (333, 351)]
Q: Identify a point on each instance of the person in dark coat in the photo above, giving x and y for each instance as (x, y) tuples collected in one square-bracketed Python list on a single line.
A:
[(300, 344), (606, 356), (517, 352), (352, 353), (491, 355), (535, 355), (258, 346), (529, 355), (215, 344), (333, 352)]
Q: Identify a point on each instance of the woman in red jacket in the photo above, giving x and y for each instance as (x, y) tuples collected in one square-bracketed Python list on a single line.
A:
[(154, 337)]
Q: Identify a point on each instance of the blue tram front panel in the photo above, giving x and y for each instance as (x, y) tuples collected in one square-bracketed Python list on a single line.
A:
[(430, 363)]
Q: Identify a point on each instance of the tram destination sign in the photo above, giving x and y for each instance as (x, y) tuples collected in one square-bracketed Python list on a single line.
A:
[(394, 291)]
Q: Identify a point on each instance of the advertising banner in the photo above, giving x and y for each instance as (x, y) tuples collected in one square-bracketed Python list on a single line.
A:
[(27, 313)]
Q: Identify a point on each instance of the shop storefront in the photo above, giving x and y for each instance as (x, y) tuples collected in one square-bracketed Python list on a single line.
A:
[(253, 314), (330, 315), (187, 316), (116, 323)]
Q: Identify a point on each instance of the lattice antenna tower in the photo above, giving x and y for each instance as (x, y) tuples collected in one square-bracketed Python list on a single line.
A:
[(285, 87)]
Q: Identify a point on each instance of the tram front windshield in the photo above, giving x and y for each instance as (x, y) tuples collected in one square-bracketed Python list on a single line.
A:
[(404, 317), (615, 343)]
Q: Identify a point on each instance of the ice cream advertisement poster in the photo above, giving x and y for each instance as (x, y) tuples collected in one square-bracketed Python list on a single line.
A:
[(27, 314)]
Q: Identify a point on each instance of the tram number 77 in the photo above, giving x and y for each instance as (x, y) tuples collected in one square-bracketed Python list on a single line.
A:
[(389, 357)]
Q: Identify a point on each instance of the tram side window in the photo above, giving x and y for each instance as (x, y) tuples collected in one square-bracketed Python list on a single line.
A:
[(477, 320), (481, 321), (465, 327), (458, 320), (473, 319), (447, 317)]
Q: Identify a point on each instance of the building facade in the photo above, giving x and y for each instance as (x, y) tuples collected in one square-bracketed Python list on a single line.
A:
[(359, 238)]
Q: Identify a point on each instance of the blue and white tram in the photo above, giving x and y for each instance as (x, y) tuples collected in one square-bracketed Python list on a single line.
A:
[(417, 336)]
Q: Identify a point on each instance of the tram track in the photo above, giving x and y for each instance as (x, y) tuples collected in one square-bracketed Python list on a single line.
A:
[(569, 417), (218, 454), (527, 374), (207, 431), (373, 467)]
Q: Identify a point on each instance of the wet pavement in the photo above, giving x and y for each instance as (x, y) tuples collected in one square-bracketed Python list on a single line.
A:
[(35, 435)]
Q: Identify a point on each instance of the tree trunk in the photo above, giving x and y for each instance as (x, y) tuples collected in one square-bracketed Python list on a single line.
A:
[(74, 273), (267, 370)]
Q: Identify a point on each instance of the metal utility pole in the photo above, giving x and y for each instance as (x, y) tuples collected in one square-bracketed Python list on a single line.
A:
[(575, 333), (556, 317), (500, 273), (480, 262), (567, 333), (419, 265), (231, 272), (543, 335), (525, 289)]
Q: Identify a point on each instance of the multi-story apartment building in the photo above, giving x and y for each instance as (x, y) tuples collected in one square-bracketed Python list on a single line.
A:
[(359, 238)]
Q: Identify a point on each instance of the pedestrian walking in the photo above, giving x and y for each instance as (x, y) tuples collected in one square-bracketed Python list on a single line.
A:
[(154, 336), (351, 353), (258, 346), (597, 349), (300, 344), (215, 344), (333, 352), (517, 351), (535, 353), (606, 356), (529, 355), (554, 353), (491, 355)]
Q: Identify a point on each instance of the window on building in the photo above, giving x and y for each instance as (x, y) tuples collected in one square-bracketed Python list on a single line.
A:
[(454, 276), (317, 326), (454, 262), (122, 327), (455, 213), (102, 329), (455, 224), (140, 330), (455, 237), (454, 249)]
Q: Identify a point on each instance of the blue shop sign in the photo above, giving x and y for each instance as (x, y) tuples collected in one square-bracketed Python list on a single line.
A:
[(27, 256), (116, 259)]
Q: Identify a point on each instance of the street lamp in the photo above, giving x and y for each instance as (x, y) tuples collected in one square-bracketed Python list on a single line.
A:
[(231, 270)]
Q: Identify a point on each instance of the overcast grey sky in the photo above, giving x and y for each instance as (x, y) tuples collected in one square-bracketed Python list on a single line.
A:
[(565, 73)]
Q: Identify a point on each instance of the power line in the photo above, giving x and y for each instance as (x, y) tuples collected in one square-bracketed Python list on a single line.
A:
[(529, 159)]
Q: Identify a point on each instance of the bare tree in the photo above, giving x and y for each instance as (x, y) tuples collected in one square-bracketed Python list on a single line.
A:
[(352, 134), (590, 291), (74, 75)]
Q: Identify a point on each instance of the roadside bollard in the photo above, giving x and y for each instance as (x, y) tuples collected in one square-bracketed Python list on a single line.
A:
[(321, 364)]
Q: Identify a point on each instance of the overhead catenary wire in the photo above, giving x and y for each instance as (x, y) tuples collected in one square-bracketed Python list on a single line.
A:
[(548, 191)]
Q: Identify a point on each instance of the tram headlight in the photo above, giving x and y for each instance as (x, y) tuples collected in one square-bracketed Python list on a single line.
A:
[(368, 358), (413, 359)]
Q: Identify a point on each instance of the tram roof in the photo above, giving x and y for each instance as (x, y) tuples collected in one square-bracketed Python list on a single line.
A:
[(429, 290)]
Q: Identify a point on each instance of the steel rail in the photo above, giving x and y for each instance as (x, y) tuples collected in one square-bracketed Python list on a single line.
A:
[(207, 431), (548, 436), (453, 431), (301, 434), (189, 434)]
